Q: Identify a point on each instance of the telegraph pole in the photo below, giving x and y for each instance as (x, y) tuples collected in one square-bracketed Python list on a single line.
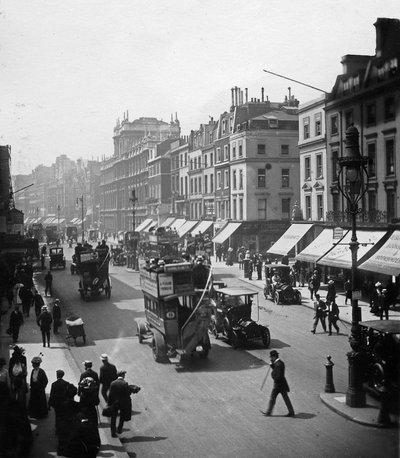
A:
[(133, 199), (83, 224)]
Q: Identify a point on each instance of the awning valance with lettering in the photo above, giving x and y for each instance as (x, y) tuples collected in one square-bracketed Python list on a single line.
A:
[(185, 228), (318, 247), (340, 255), (144, 224), (387, 259), (202, 227), (290, 238), (226, 232)]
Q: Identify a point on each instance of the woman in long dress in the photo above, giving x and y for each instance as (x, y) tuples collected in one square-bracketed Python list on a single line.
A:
[(37, 406)]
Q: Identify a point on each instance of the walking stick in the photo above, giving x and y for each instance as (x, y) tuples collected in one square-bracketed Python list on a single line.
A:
[(265, 379)]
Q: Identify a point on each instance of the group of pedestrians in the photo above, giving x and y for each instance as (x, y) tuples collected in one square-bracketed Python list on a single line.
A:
[(325, 309), (44, 318)]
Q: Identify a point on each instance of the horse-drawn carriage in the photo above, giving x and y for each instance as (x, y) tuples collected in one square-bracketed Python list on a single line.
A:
[(278, 285)]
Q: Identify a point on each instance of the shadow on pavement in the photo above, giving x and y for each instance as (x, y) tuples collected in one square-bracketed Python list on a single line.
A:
[(143, 439)]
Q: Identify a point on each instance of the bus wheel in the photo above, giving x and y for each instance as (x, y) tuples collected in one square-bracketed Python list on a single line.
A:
[(158, 347)]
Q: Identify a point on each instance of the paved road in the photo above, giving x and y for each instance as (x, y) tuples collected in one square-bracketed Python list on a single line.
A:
[(210, 408)]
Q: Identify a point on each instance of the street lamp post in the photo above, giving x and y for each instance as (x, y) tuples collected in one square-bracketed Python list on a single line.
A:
[(58, 218), (133, 199), (83, 224), (353, 184)]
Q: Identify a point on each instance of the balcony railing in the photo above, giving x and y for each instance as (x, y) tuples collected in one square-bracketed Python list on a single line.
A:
[(365, 216)]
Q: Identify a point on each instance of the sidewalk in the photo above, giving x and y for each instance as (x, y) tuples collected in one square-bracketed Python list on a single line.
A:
[(367, 415), (58, 356)]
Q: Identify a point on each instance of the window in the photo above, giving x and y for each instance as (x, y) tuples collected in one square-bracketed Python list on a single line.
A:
[(186, 185), (212, 183), (308, 207), (211, 159), (219, 182), (320, 172), (234, 179), (261, 178), (260, 149), (218, 154), (240, 179), (306, 128), (240, 208), (348, 118), (226, 178), (335, 159), (389, 153), (285, 178), (371, 148), (234, 208), (371, 114), (206, 184), (195, 185), (389, 109), (205, 160), (224, 126), (191, 186), (372, 202), (318, 123), (284, 150), (320, 207), (334, 125), (391, 204), (200, 185), (307, 168), (234, 151), (262, 209), (286, 208), (226, 153), (240, 148)]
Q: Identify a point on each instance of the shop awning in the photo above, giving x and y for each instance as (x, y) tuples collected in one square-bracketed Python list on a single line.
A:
[(340, 255), (185, 228), (48, 220), (28, 220), (226, 232), (144, 224), (178, 223), (78, 222), (387, 259), (61, 220), (318, 247), (168, 222), (73, 221), (202, 227), (290, 238)]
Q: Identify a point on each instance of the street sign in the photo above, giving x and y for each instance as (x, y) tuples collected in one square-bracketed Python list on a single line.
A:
[(337, 233), (356, 295)]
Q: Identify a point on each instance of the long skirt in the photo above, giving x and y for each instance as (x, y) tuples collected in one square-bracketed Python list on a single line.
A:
[(37, 406)]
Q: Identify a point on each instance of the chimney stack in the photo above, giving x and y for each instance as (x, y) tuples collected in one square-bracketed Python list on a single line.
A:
[(247, 94), (262, 94), (233, 97), (241, 97)]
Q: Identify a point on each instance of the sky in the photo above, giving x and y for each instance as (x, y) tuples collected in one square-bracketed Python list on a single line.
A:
[(71, 68)]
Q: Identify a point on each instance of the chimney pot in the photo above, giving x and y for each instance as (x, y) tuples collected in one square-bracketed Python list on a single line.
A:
[(262, 94)]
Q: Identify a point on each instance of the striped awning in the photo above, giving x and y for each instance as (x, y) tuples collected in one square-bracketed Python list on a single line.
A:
[(202, 227), (185, 228), (168, 222)]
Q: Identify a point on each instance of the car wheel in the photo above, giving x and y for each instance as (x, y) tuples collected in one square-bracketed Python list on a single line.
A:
[(277, 298), (298, 297), (266, 337), (226, 326), (378, 377), (213, 327)]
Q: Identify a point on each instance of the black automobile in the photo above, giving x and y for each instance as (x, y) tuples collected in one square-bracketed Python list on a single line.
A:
[(278, 285), (382, 344), (231, 317)]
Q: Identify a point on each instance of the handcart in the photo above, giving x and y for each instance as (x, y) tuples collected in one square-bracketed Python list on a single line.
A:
[(75, 328)]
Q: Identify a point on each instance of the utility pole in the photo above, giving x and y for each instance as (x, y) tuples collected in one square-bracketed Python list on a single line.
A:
[(133, 199), (83, 224)]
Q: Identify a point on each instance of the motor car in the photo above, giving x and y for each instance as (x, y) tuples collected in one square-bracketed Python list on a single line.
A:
[(281, 291), (57, 258), (232, 317), (382, 346)]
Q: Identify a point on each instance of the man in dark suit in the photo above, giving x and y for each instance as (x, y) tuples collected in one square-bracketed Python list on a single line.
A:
[(108, 373), (280, 384), (88, 372), (58, 394), (119, 398)]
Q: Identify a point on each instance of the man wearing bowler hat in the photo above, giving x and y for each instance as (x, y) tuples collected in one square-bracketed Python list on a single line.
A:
[(108, 373), (280, 384)]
